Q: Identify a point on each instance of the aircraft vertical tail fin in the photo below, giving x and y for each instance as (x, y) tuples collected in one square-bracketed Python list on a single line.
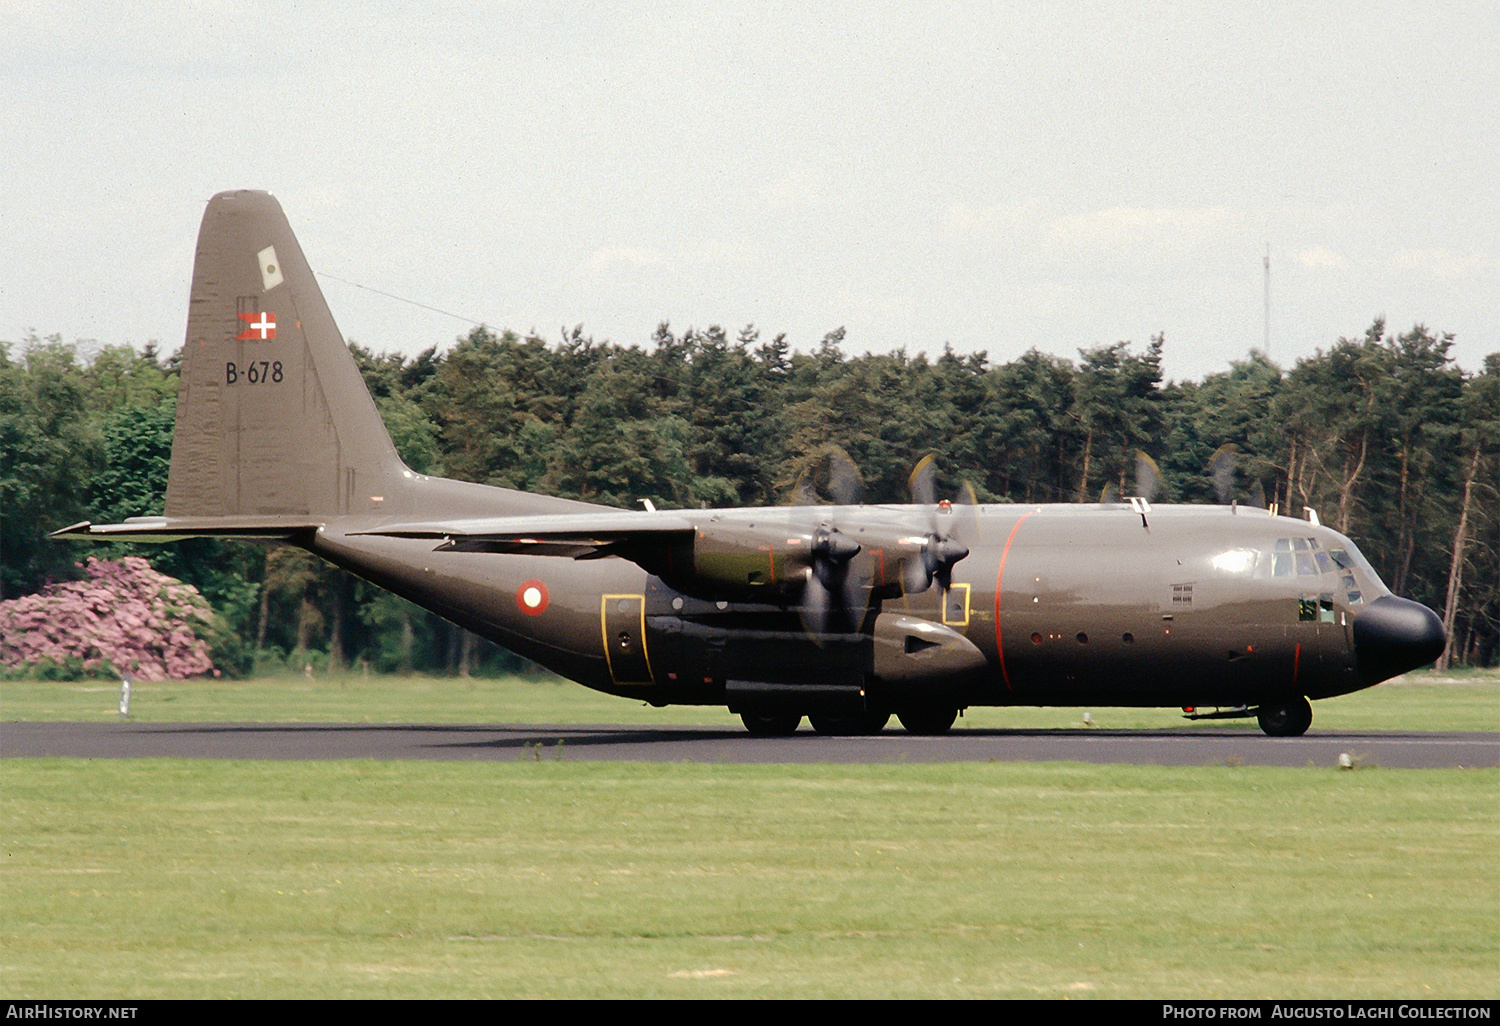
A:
[(272, 414)]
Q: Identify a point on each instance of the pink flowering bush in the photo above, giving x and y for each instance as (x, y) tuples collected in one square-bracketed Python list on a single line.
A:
[(124, 617)]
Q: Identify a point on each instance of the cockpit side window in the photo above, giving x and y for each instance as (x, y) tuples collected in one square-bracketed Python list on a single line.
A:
[(1345, 564)]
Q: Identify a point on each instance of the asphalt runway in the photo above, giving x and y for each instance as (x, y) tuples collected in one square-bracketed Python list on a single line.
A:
[(1197, 746)]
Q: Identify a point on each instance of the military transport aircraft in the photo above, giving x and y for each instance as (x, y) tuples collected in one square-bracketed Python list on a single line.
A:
[(844, 614)]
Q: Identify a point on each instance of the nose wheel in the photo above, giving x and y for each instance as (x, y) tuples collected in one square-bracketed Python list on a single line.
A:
[(1285, 719)]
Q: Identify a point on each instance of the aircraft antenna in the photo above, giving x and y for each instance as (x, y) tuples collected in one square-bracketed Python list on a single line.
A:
[(400, 299)]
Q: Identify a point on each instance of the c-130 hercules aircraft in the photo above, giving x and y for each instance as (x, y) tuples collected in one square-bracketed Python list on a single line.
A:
[(844, 614)]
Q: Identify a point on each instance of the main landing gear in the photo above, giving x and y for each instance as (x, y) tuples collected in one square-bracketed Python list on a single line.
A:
[(1290, 718), (771, 724), (915, 721), (849, 724), (930, 720)]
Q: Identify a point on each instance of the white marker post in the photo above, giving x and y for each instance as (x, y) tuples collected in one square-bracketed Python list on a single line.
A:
[(125, 696)]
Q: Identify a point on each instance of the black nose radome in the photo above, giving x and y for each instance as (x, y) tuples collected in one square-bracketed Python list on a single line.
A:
[(1393, 635)]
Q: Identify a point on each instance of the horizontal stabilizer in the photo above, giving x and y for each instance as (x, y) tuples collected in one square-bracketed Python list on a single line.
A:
[(170, 529)]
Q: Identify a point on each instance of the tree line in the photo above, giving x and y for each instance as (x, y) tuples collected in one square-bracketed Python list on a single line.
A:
[(1381, 434)]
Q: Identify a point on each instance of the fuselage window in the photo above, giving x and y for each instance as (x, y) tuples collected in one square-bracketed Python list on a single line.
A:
[(1316, 609)]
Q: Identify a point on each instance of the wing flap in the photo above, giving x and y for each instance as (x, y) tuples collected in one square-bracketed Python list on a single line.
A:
[(531, 533), (641, 536)]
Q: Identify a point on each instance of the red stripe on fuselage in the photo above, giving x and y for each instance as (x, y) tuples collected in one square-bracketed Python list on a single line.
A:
[(999, 586)]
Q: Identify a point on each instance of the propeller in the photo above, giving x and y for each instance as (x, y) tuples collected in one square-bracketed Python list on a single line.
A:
[(923, 481), (1221, 467), (1147, 482), (833, 581), (1147, 477), (844, 482), (940, 550), (933, 562), (833, 595)]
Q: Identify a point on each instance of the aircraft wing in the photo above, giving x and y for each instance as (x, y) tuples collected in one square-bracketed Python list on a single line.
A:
[(628, 533), (634, 534)]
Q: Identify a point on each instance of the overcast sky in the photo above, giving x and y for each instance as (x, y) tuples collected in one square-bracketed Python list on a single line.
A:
[(996, 177)]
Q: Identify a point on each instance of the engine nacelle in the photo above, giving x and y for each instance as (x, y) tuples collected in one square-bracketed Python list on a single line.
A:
[(771, 560), (759, 560)]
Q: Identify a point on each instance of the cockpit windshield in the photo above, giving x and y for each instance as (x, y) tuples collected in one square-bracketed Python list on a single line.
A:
[(1307, 557)]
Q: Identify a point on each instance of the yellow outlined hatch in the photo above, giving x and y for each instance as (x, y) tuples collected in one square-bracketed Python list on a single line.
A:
[(622, 625), (956, 605)]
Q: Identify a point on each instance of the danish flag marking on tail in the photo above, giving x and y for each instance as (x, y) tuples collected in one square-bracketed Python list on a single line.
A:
[(262, 326)]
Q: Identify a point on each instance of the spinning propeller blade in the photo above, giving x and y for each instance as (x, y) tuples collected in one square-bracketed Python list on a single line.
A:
[(940, 549), (832, 579), (839, 475), (1147, 477), (1221, 467)]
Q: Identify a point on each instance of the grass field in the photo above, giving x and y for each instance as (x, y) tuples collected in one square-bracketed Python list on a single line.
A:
[(179, 878), (1422, 701), (165, 878)]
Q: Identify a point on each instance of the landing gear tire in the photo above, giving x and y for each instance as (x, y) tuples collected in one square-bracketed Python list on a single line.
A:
[(849, 724), (1285, 719), (927, 721), (771, 724)]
